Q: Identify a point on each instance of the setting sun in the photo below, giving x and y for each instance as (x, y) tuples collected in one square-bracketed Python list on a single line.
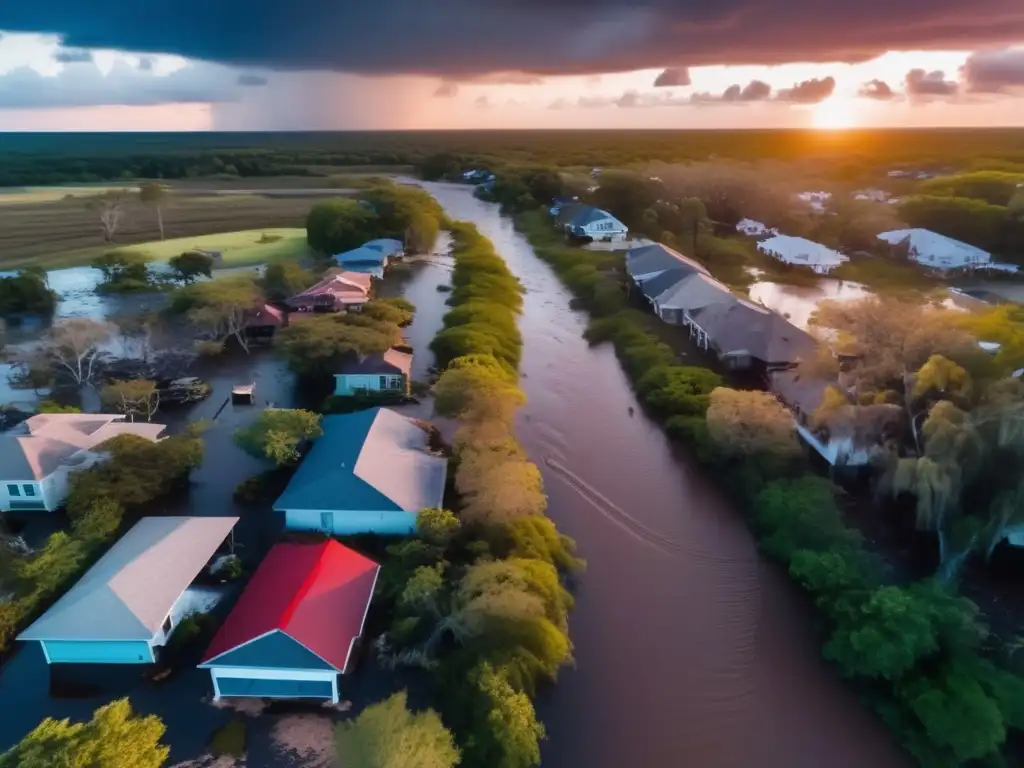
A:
[(834, 113)]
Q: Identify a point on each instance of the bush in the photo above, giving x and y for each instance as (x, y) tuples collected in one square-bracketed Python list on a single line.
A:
[(48, 406), (231, 569), (229, 739)]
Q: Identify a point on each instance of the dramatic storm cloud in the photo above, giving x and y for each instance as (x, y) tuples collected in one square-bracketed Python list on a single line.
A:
[(919, 83), (673, 76), (464, 38), (878, 90), (809, 91), (994, 71), (85, 85)]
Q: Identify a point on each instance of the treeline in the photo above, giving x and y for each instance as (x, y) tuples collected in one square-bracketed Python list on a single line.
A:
[(27, 159), (919, 653), (477, 596)]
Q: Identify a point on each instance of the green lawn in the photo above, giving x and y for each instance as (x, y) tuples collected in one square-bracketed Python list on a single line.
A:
[(30, 195)]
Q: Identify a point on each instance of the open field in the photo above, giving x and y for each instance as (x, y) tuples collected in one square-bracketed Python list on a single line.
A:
[(237, 248), (80, 192), (62, 232)]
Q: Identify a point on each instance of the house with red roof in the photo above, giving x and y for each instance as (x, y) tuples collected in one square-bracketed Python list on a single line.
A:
[(338, 291), (294, 627)]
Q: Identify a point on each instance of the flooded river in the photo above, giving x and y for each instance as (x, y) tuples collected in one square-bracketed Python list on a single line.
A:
[(691, 650)]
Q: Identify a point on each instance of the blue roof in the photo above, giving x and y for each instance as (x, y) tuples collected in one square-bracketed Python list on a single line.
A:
[(361, 254), (386, 245), (368, 461)]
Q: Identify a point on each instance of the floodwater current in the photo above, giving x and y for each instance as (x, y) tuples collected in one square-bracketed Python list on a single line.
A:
[(691, 650)]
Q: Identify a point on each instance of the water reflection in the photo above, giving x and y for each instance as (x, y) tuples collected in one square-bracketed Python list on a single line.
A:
[(796, 303)]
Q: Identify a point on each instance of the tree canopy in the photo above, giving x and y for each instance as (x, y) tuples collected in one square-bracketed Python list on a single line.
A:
[(388, 735), (277, 433), (335, 226), (191, 265)]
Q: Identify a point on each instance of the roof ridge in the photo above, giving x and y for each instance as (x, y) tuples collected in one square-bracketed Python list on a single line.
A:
[(303, 590)]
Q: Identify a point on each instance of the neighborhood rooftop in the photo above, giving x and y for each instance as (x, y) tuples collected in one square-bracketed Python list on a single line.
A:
[(375, 460), (656, 258), (45, 441), (316, 594), (129, 592), (391, 362), (801, 251)]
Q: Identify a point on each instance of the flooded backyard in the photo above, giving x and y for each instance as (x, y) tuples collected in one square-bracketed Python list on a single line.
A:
[(690, 649)]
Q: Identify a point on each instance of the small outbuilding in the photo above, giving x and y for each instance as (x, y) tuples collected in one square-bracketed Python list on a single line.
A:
[(295, 626), (126, 607)]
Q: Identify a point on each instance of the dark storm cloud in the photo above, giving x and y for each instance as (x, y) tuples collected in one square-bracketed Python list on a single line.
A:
[(920, 83), (879, 90), (466, 38), (994, 71), (252, 81), (70, 56), (146, 63), (673, 77), (809, 91), (447, 90)]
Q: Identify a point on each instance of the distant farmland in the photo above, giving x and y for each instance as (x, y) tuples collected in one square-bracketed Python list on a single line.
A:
[(44, 227)]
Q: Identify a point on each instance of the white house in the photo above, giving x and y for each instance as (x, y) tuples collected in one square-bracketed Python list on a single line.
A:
[(388, 372), (586, 221), (128, 604), (753, 228), (371, 471), (801, 252), (38, 456), (816, 201), (934, 251), (871, 195)]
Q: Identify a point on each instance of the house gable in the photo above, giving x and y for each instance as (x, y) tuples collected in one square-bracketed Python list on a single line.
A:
[(274, 650)]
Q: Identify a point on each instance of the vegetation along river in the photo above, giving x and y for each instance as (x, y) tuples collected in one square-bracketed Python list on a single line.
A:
[(691, 650)]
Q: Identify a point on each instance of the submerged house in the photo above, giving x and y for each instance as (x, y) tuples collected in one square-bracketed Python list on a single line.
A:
[(264, 320), (393, 249), (752, 228), (295, 626), (934, 251), (38, 456), (848, 436), (125, 608), (801, 252), (368, 260), (370, 472), (649, 261), (338, 291), (387, 372)]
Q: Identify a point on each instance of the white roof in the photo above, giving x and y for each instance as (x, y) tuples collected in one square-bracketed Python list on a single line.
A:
[(47, 440), (924, 242), (128, 593), (799, 250), (753, 227)]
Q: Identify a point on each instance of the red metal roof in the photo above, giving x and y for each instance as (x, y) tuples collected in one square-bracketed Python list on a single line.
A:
[(317, 594)]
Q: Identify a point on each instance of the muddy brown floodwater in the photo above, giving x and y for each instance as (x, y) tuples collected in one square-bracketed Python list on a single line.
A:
[(691, 650)]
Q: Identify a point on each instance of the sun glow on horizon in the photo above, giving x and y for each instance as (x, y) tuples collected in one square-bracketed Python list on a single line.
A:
[(835, 113)]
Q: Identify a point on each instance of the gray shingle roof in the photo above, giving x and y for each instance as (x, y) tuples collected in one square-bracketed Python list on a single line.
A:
[(694, 292), (741, 327), (659, 258)]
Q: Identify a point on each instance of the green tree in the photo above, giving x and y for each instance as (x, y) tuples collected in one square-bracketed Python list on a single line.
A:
[(284, 278), (115, 737), (423, 591), (437, 526), (335, 226), (478, 387), (498, 482), (99, 522), (277, 433), (220, 307), (693, 219), (26, 293), (134, 397), (47, 571), (316, 345), (155, 194), (191, 265), (508, 734), (388, 735)]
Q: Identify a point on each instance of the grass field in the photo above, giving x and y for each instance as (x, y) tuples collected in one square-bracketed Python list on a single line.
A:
[(237, 248), (42, 227), (32, 195)]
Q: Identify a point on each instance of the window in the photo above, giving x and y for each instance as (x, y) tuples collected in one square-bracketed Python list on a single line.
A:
[(13, 490), (166, 627), (327, 522), (396, 382), (383, 382), (30, 490)]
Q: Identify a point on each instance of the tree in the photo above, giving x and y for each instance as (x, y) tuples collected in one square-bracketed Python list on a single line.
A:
[(115, 737), (277, 433), (335, 226), (124, 270), (283, 279), (437, 526), (155, 194), (422, 593), (74, 346), (498, 482), (388, 735), (26, 293), (693, 220), (509, 735), (316, 345), (110, 208), (972, 221), (220, 307), (746, 422), (478, 387), (191, 265), (134, 397)]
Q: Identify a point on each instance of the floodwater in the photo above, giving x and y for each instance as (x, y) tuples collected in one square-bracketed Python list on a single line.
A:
[(796, 303), (690, 649)]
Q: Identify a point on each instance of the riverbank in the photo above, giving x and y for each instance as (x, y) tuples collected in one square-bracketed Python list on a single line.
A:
[(904, 670)]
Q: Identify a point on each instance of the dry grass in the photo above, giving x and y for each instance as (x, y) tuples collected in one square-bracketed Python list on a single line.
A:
[(62, 232), (307, 739)]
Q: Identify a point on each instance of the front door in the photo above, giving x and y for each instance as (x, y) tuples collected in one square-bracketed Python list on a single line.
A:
[(327, 522)]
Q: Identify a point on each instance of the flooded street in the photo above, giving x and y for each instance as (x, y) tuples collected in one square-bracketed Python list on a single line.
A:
[(691, 650)]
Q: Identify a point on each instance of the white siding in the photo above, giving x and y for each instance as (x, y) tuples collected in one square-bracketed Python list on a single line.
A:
[(192, 600), (350, 522), (6, 497)]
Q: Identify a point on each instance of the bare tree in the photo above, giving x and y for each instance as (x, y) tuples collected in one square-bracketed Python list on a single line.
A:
[(154, 193), (222, 307), (76, 346), (135, 397), (110, 208)]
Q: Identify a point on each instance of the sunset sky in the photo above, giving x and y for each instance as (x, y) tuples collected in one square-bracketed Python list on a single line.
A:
[(408, 64)]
